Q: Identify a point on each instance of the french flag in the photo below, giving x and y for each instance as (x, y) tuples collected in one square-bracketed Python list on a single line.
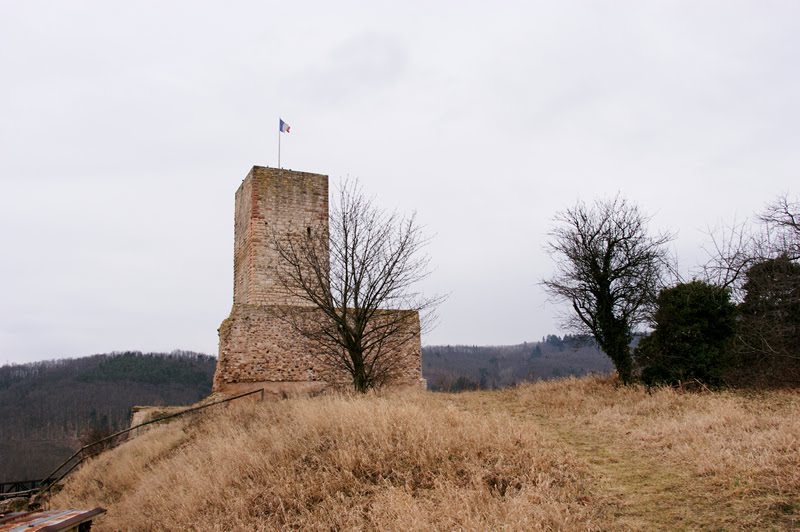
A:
[(284, 127)]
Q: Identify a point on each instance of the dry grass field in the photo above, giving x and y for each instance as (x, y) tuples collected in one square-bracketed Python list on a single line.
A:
[(577, 454)]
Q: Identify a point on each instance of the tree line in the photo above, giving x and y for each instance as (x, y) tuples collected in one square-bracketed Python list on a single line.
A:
[(455, 368), (736, 322)]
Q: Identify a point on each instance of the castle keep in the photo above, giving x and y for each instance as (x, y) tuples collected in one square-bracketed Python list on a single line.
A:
[(257, 348)]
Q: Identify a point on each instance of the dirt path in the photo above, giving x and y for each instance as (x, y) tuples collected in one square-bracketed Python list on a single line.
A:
[(646, 495), (641, 491)]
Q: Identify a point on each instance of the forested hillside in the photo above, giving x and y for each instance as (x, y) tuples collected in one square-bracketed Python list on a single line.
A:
[(47, 407), (461, 367)]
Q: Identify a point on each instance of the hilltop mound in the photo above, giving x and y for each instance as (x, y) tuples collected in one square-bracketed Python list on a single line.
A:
[(577, 454), (374, 462)]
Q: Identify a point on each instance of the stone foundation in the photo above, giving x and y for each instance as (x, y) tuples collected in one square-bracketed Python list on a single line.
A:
[(260, 348)]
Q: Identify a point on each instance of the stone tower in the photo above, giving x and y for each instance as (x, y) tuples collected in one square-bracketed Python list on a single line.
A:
[(272, 201), (258, 349)]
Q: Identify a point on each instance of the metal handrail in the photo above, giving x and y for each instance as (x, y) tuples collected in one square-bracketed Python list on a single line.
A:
[(51, 479)]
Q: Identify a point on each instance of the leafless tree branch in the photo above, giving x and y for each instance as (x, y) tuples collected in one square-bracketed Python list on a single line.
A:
[(359, 272), (760, 264), (609, 270)]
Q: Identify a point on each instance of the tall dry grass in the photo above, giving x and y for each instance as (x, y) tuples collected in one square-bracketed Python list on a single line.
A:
[(724, 460), (406, 462), (576, 454)]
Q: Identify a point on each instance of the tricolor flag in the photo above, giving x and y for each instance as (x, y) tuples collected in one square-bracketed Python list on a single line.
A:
[(284, 127)]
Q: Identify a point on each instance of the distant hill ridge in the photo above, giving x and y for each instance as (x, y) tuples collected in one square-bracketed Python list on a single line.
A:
[(463, 367)]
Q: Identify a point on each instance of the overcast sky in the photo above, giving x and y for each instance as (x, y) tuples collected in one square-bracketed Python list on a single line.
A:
[(126, 127)]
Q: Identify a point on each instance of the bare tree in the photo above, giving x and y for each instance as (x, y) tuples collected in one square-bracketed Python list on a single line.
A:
[(759, 262), (610, 271), (770, 312), (782, 221), (357, 275), (738, 247)]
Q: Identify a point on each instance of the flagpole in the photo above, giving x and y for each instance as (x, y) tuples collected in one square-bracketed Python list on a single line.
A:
[(279, 148)]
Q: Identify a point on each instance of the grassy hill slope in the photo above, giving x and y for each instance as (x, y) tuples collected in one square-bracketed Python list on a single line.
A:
[(574, 454)]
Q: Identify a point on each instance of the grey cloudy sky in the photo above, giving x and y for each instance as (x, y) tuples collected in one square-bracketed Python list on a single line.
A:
[(126, 127)]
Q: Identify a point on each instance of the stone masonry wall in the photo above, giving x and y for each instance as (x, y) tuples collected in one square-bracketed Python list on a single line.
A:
[(272, 202), (258, 345)]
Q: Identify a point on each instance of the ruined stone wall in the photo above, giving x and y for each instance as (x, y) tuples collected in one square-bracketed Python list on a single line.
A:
[(258, 345), (283, 355)]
